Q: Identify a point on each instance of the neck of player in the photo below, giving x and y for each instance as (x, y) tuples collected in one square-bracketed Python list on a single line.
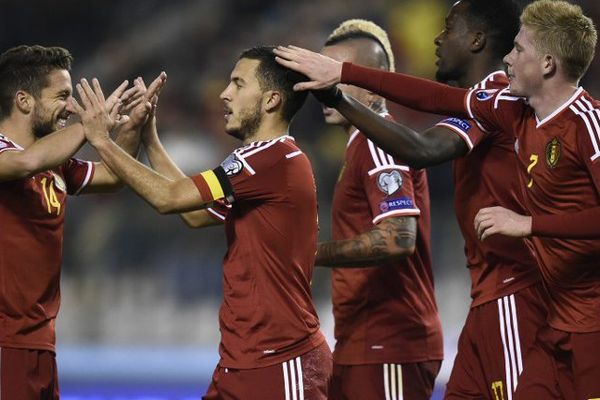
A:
[(551, 95), (270, 128), (478, 69)]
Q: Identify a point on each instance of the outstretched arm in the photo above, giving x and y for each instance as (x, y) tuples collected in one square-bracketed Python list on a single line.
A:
[(419, 94), (390, 240), (165, 195), (418, 150)]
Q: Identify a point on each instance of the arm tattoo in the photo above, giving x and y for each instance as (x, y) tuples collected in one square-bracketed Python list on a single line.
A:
[(392, 239)]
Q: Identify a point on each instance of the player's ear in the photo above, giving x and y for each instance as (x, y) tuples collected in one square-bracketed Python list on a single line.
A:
[(478, 42), (549, 64), (271, 100), (24, 101)]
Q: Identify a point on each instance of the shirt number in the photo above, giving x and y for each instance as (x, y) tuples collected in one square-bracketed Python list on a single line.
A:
[(534, 160), (50, 195)]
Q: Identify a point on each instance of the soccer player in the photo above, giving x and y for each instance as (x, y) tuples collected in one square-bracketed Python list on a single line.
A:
[(557, 131), (36, 174), (271, 346), (508, 305), (389, 341)]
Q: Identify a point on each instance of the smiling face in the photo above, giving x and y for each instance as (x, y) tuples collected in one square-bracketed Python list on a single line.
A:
[(49, 112), (243, 100), (452, 45), (525, 65)]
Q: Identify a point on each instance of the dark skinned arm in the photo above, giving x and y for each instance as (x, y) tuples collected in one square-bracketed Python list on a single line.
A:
[(390, 240), (419, 150)]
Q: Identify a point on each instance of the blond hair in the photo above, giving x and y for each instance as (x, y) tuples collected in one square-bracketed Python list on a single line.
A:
[(361, 28), (562, 30)]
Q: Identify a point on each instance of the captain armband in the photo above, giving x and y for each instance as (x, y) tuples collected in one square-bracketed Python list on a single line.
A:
[(214, 185)]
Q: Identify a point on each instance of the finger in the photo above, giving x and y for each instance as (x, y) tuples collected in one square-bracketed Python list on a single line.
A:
[(127, 107), (83, 96), (119, 90), (142, 84), (113, 112), (92, 98), (132, 92), (483, 226), (156, 86), (98, 90), (309, 85), (488, 232)]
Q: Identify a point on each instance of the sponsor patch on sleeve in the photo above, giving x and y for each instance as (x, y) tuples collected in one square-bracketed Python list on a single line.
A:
[(461, 124), (401, 203), (232, 165)]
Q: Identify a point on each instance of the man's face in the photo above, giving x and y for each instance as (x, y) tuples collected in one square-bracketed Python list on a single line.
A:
[(49, 112), (453, 45), (524, 64), (344, 52), (243, 100)]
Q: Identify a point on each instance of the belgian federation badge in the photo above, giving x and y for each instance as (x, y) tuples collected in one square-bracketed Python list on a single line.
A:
[(389, 182), (553, 152)]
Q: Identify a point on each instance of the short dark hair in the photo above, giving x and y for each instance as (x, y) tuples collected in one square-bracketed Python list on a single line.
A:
[(272, 76), (499, 19), (27, 68)]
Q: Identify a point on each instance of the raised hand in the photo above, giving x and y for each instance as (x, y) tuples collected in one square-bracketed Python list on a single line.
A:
[(323, 72), (145, 108), (499, 220), (98, 116)]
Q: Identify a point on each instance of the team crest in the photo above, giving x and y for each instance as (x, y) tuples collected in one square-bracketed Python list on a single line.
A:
[(553, 152), (59, 183), (389, 182), (232, 165)]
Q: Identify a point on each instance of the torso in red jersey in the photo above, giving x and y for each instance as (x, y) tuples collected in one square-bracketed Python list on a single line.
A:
[(386, 313), (32, 212), (559, 161), (486, 177), (267, 315)]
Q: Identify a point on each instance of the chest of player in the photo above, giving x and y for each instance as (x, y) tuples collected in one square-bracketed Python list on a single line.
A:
[(39, 199), (552, 170)]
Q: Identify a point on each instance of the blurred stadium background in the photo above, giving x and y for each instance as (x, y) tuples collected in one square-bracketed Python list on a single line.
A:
[(141, 291)]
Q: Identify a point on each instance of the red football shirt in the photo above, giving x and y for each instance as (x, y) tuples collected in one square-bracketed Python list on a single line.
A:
[(32, 212), (387, 313), (267, 315), (559, 160), (486, 177)]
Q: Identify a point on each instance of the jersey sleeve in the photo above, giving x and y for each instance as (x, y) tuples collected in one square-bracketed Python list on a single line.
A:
[(588, 136), (219, 210), (387, 184), (77, 173), (7, 145), (244, 175), (466, 129), (494, 110)]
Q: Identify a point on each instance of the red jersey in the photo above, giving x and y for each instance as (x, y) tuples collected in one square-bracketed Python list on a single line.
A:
[(559, 161), (386, 313), (267, 315), (32, 212), (485, 177)]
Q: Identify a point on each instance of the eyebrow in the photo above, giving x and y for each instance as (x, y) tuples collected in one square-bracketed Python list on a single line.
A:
[(237, 79)]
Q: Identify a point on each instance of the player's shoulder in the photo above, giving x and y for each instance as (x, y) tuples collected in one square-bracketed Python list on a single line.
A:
[(497, 80), (262, 154)]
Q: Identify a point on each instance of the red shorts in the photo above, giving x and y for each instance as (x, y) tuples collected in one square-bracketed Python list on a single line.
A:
[(413, 381), (302, 378), (493, 342), (562, 365), (28, 375)]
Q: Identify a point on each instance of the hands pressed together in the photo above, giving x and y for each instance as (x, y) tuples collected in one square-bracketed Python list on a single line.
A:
[(132, 107)]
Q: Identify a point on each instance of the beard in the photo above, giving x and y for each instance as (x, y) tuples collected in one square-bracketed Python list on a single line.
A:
[(41, 125), (249, 123)]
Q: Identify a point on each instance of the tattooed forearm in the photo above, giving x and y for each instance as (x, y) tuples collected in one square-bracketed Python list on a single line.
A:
[(391, 239)]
